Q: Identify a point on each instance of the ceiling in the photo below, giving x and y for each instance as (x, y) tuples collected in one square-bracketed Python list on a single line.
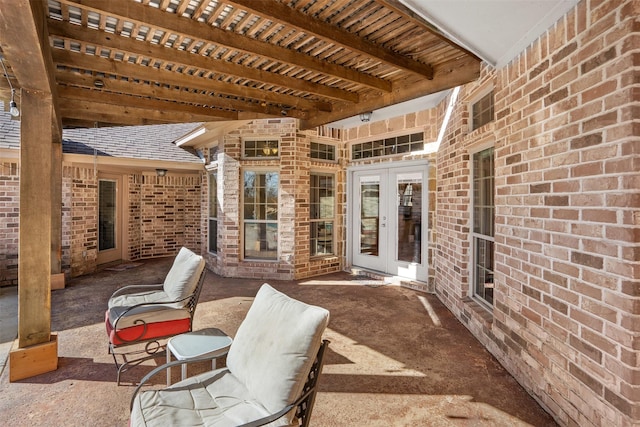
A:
[(132, 62)]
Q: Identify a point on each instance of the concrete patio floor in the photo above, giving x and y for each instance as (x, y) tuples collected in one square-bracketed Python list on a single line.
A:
[(397, 357)]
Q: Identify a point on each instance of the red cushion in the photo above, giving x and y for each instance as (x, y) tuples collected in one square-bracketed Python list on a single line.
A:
[(153, 330)]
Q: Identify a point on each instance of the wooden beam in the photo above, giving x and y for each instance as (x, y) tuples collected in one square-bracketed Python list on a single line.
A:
[(280, 12), (25, 43), (108, 99), (156, 18), (36, 203), (447, 76), (152, 74), (69, 78), (89, 110), (154, 51)]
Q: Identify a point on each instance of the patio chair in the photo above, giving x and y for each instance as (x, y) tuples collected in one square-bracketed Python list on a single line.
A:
[(148, 313), (271, 376)]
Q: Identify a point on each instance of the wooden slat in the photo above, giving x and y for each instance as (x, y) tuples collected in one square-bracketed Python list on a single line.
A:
[(152, 74), (193, 29), (147, 49), (446, 76), (280, 12)]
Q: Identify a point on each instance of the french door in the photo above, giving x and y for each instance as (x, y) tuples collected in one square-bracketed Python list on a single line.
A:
[(388, 220)]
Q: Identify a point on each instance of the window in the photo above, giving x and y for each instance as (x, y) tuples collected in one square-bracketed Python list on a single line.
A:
[(322, 208), (322, 151), (483, 225), (213, 211), (260, 214), (261, 148), (388, 146), (482, 111)]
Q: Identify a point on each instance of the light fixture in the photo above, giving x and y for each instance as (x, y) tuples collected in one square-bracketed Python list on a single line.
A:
[(365, 117), (13, 107), (161, 172), (269, 150), (98, 84)]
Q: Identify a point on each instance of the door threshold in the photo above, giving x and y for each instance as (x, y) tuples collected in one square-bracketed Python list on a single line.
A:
[(390, 280)]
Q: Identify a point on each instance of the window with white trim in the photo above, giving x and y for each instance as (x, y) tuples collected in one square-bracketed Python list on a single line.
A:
[(482, 234), (322, 213), (321, 151), (260, 214)]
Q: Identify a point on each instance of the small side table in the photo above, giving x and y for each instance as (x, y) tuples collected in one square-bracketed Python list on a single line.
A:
[(210, 342)]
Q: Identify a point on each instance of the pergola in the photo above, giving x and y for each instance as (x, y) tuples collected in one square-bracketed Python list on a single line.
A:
[(86, 63)]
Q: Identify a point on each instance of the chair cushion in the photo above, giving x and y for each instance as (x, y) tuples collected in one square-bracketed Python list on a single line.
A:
[(146, 332), (147, 314), (275, 346), (215, 398), (129, 300), (184, 274)]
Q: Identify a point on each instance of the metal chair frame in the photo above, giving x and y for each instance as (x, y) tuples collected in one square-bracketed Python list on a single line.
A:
[(152, 348), (303, 404)]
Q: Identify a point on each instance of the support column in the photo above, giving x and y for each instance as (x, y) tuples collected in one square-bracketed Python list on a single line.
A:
[(57, 277), (37, 352)]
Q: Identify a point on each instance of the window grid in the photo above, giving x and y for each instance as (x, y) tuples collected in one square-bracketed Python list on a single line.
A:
[(322, 151), (260, 215), (261, 148), (388, 146), (483, 225), (482, 111), (322, 213)]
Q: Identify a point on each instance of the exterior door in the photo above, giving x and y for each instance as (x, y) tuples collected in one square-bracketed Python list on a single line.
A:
[(389, 211), (109, 218)]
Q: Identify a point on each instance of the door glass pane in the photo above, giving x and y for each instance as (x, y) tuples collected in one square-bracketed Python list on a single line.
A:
[(409, 208), (369, 215), (107, 215)]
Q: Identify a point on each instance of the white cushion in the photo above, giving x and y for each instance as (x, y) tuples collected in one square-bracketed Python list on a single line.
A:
[(129, 300), (213, 399), (183, 277), (275, 347)]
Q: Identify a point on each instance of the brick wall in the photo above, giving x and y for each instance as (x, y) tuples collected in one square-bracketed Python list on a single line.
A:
[(9, 222), (566, 313), (80, 219), (293, 166), (169, 214)]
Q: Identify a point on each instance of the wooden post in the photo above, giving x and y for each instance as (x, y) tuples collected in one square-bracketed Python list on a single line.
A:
[(34, 259), (57, 277)]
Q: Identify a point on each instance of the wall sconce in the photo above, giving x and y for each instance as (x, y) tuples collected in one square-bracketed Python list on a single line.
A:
[(161, 172), (365, 117)]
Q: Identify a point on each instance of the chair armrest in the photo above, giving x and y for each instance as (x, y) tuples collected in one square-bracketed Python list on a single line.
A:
[(130, 288), (164, 367)]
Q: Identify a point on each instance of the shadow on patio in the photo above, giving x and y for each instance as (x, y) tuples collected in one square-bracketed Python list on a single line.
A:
[(397, 357)]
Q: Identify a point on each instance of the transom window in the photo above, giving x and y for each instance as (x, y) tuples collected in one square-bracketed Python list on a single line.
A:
[(483, 225), (260, 214), (322, 151), (388, 146), (482, 111), (322, 208), (261, 148)]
